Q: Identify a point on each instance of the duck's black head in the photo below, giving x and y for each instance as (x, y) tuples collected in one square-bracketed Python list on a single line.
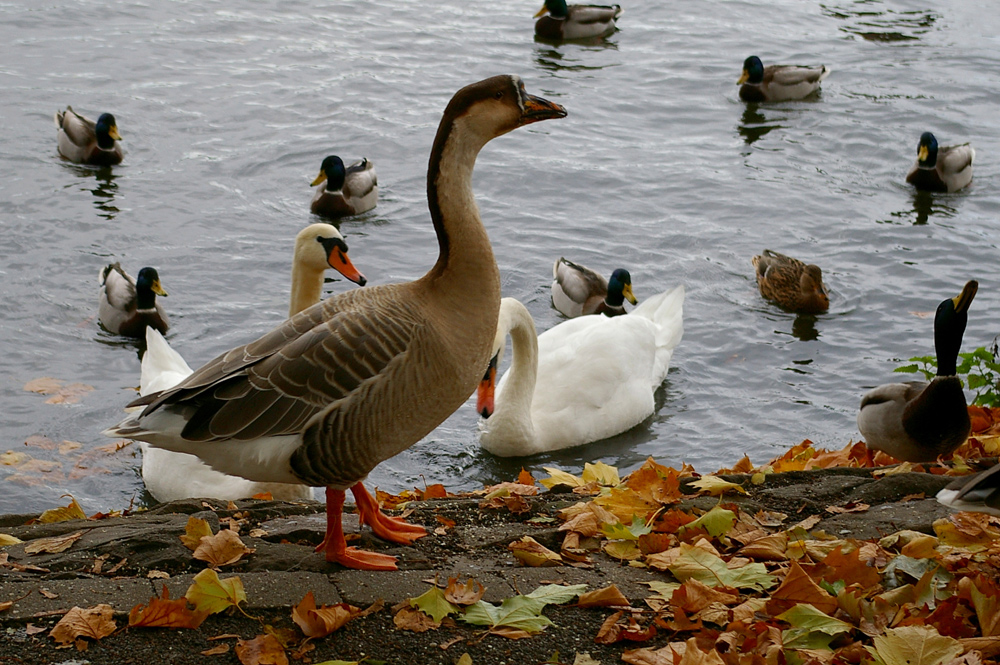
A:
[(949, 325), (619, 288), (107, 131), (927, 150), (147, 287), (555, 8), (753, 70), (333, 172)]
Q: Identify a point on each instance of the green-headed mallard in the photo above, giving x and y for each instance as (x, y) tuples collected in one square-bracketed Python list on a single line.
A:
[(128, 305), (560, 21), (941, 168), (363, 375), (348, 191), (84, 141), (979, 492), (577, 290), (583, 380), (778, 83), (920, 421), (791, 283)]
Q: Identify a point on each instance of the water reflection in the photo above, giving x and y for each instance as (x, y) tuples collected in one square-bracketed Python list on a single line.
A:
[(551, 59), (600, 40), (804, 327), (873, 22), (925, 204), (752, 124), (105, 190)]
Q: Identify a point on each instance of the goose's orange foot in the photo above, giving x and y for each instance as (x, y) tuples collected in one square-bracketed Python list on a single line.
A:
[(393, 529), (352, 557), (335, 545)]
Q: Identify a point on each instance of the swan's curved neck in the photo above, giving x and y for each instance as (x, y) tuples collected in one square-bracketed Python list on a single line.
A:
[(511, 419), (307, 286)]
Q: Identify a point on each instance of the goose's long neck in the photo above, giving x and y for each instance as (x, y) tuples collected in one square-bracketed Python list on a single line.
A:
[(307, 287), (466, 272)]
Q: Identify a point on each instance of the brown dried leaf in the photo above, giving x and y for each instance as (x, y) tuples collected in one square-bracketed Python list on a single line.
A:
[(609, 596), (321, 621), (94, 623), (217, 650), (532, 553), (222, 549), (463, 594), (71, 512), (6, 605), (195, 530), (410, 618), (261, 650), (52, 545), (798, 587), (165, 613), (849, 507)]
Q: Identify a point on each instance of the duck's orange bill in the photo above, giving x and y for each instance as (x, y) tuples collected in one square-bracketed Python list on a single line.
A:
[(484, 395), (338, 261)]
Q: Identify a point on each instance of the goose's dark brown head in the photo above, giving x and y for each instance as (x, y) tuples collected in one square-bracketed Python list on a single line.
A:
[(497, 105)]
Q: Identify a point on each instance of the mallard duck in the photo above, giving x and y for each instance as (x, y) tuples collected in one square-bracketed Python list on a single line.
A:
[(919, 421), (578, 290), (778, 83), (583, 380), (84, 141), (790, 283), (941, 168), (979, 492), (362, 375), (560, 21), (170, 476), (126, 305), (348, 191)]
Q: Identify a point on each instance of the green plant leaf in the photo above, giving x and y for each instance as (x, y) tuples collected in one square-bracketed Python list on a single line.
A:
[(907, 369), (522, 612), (810, 628), (619, 531), (717, 522), (696, 563), (433, 604)]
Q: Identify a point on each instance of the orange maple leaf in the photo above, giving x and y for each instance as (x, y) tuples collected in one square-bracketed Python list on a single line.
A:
[(849, 568), (165, 613), (435, 491), (321, 621), (797, 588), (525, 478)]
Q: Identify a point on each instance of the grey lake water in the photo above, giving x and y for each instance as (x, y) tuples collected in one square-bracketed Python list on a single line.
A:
[(227, 109)]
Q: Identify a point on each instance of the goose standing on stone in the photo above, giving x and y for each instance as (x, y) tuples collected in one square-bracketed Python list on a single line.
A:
[(363, 375), (778, 83), (348, 191), (577, 290), (583, 380), (83, 141), (559, 21), (920, 421), (945, 168), (126, 305), (170, 476)]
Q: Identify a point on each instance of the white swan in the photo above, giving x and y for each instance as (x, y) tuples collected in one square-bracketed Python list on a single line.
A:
[(584, 380), (170, 476)]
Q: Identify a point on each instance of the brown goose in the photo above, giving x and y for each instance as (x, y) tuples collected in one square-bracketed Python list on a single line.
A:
[(363, 375), (127, 305), (84, 141), (790, 283)]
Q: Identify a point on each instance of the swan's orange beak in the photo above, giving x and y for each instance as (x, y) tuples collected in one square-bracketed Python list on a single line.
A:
[(337, 258), (484, 395)]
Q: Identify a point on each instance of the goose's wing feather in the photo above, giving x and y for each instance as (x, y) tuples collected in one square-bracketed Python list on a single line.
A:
[(587, 14), (980, 492), (276, 384), (79, 130)]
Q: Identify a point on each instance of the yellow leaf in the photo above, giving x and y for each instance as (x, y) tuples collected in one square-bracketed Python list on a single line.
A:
[(716, 486), (557, 477), (601, 473), (466, 659), (195, 530), (210, 594), (532, 553), (71, 512), (11, 458), (915, 645), (6, 540), (626, 550)]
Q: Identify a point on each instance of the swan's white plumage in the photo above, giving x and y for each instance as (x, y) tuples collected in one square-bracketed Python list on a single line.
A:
[(595, 376)]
